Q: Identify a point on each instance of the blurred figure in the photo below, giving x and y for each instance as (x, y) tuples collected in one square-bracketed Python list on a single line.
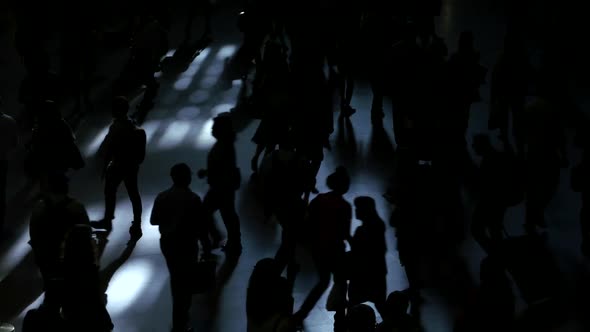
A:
[(179, 214), (52, 148), (509, 87), (329, 219), (361, 318), (368, 280), (124, 151), (52, 218), (223, 176), (395, 316), (269, 300), (493, 306), (84, 306), (8, 143)]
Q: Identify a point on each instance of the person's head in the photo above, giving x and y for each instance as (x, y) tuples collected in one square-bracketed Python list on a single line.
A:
[(181, 175), (58, 184), (49, 111), (365, 208), (223, 128), (361, 318), (79, 246), (482, 144), (396, 305), (120, 107), (339, 181), (466, 41)]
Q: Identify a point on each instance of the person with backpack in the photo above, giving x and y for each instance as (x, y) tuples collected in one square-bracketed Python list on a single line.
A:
[(53, 216), (124, 151)]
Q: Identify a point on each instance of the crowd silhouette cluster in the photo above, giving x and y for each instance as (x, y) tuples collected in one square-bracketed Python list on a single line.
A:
[(297, 66)]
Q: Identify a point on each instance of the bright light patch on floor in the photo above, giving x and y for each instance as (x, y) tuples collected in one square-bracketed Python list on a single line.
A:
[(194, 67), (208, 82), (128, 285), (205, 140), (150, 128), (182, 83), (226, 51), (188, 113), (97, 141), (215, 69), (199, 96), (221, 108), (15, 254), (174, 134)]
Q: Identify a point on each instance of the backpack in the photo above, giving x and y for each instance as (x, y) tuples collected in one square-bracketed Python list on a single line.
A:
[(138, 145)]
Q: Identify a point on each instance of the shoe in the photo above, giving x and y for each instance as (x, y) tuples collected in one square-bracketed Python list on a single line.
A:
[(105, 224)]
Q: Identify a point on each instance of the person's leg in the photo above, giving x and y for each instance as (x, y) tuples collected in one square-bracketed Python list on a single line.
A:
[(135, 198), (181, 295), (210, 205), (254, 162), (231, 220), (113, 178), (318, 290), (3, 178)]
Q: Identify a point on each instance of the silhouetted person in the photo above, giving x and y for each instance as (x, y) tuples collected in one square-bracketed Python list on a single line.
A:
[(272, 98), (283, 190), (40, 84), (493, 306), (179, 214), (223, 176), (465, 76), (368, 280), (545, 144), (8, 142), (269, 299), (395, 316), (52, 148), (330, 216), (508, 89), (200, 8), (124, 150), (496, 184), (84, 307), (53, 216), (149, 45), (361, 318)]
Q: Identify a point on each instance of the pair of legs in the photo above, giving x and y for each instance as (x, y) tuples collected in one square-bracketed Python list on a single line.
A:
[(179, 266), (327, 265), (115, 175), (223, 200)]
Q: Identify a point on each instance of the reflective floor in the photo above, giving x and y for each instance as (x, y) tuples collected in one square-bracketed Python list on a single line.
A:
[(179, 131)]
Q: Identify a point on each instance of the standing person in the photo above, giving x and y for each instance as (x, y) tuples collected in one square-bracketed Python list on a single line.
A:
[(331, 216), (51, 219), (369, 279), (8, 142), (223, 176), (124, 151), (179, 214)]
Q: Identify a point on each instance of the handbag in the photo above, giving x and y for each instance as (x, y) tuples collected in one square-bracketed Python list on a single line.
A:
[(204, 276)]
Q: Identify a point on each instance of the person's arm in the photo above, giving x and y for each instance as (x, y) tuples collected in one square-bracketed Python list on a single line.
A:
[(156, 216)]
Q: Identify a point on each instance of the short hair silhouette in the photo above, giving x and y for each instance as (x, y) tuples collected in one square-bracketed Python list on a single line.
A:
[(181, 174), (339, 181), (223, 128), (120, 107), (361, 318), (397, 303)]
